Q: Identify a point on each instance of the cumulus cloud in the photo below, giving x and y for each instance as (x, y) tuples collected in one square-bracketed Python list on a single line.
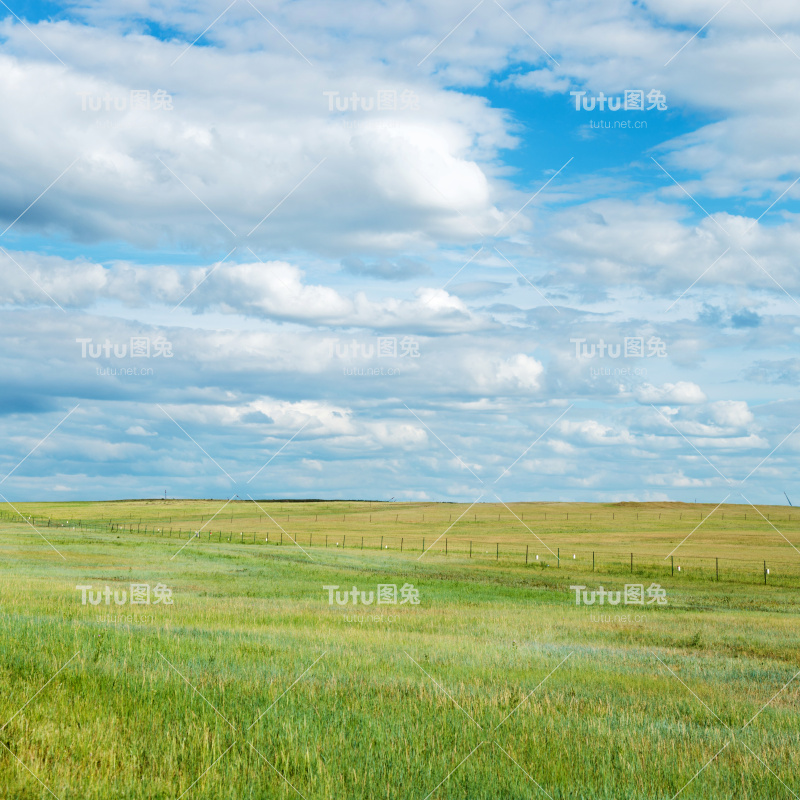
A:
[(517, 373), (138, 430), (681, 393), (273, 289), (593, 432), (261, 222), (731, 413)]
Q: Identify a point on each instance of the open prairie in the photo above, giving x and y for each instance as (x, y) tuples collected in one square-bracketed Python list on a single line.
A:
[(477, 676)]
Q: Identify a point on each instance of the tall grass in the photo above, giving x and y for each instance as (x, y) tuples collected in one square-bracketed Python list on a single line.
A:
[(461, 696)]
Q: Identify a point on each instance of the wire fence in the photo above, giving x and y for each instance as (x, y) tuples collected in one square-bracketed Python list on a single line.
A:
[(541, 555)]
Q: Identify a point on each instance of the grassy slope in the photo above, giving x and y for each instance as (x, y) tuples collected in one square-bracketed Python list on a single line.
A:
[(366, 720)]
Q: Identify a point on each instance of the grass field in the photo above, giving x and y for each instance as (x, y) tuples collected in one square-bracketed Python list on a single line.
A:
[(495, 685)]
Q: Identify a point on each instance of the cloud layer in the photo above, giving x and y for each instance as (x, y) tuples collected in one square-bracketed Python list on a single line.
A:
[(387, 245)]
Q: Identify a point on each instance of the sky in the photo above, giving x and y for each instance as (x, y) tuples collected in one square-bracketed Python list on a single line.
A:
[(416, 250)]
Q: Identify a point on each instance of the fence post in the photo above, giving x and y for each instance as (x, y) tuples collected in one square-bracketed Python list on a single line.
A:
[(526, 552), (559, 556), (717, 560), (401, 544), (381, 542), (765, 573), (631, 563), (592, 560), (672, 560), (362, 542), (344, 539), (423, 544)]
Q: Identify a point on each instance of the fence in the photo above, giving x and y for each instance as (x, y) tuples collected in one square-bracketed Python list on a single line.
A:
[(612, 562)]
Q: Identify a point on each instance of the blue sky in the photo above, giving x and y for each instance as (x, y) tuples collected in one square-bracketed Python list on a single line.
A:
[(399, 302)]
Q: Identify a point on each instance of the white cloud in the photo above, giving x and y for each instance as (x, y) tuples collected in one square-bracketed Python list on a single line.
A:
[(592, 432), (407, 196), (518, 373), (274, 289), (680, 393), (219, 164), (732, 413), (138, 430)]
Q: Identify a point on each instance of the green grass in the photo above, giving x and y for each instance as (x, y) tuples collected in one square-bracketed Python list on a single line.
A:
[(393, 706)]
